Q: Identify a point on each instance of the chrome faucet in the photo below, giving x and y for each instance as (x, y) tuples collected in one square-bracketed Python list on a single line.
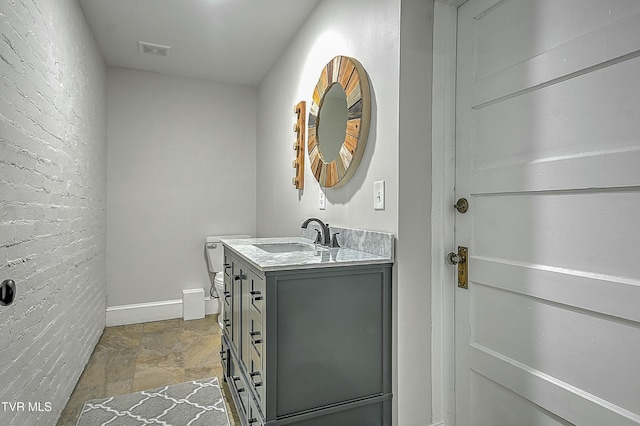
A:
[(324, 237)]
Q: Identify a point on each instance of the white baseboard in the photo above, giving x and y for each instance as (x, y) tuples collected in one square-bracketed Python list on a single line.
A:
[(153, 311)]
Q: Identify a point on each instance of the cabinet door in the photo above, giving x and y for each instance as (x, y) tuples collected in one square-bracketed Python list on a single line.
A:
[(330, 334)]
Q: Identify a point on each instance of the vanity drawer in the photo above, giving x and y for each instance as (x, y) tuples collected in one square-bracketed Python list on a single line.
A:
[(239, 387), (227, 265), (254, 417), (256, 291), (226, 321), (257, 377), (256, 335), (226, 296), (228, 273), (224, 356)]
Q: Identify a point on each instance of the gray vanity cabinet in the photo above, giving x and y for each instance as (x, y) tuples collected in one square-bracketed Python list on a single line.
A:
[(309, 347)]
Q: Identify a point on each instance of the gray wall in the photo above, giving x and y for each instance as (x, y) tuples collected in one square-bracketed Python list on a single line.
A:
[(52, 203), (181, 166), (413, 266), (392, 39)]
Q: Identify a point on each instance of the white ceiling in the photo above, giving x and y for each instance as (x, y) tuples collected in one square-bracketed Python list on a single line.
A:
[(233, 41)]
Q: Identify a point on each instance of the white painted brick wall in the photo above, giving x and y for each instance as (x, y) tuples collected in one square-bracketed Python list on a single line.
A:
[(52, 203)]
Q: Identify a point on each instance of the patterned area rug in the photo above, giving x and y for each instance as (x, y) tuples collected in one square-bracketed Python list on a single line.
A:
[(195, 403)]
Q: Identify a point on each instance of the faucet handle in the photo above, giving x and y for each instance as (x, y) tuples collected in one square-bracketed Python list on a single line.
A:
[(318, 239), (334, 241)]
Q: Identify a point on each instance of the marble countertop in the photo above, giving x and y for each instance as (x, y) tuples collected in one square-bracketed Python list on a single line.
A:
[(315, 257)]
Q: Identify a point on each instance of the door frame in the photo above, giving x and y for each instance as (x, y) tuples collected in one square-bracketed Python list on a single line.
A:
[(443, 140)]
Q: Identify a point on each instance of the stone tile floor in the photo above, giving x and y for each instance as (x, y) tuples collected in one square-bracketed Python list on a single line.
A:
[(131, 358)]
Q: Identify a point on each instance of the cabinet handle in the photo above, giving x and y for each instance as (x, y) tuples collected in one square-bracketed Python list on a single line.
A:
[(256, 374), (251, 421), (235, 379), (256, 295), (253, 334), (239, 277)]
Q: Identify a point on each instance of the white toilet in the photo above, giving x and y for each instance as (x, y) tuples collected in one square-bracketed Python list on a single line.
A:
[(215, 259)]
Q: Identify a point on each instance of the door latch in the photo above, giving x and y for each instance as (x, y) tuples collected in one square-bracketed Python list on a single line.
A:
[(460, 259), (462, 205)]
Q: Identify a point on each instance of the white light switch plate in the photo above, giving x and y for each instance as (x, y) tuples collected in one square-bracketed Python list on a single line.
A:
[(378, 195), (322, 200)]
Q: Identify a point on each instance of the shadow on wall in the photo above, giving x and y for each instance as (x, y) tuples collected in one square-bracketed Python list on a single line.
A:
[(343, 194)]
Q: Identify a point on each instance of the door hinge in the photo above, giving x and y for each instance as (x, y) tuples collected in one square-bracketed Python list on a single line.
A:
[(460, 259)]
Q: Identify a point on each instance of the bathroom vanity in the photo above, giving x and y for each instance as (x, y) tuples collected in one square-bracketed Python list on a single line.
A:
[(307, 333)]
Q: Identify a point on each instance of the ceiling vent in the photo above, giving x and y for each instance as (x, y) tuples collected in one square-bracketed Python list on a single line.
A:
[(153, 49)]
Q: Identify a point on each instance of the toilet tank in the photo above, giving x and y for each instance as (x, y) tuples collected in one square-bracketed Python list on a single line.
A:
[(214, 249)]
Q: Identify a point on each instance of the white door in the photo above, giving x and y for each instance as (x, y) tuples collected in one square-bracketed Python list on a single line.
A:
[(548, 155)]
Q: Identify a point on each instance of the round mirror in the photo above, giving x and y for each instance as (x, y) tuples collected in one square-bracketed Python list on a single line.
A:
[(338, 121), (332, 123)]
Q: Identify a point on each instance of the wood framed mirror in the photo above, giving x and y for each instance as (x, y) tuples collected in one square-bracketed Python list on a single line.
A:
[(339, 120)]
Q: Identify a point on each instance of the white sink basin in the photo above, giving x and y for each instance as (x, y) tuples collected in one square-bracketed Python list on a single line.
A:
[(285, 247)]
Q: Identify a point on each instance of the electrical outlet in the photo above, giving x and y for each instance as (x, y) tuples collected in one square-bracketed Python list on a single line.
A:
[(378, 195), (322, 200)]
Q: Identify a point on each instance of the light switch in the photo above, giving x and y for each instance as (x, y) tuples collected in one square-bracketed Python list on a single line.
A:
[(378, 195), (322, 200)]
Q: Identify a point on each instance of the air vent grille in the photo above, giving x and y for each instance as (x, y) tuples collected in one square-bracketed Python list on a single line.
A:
[(153, 49)]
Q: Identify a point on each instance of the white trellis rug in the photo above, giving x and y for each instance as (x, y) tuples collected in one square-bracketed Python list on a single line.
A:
[(195, 403)]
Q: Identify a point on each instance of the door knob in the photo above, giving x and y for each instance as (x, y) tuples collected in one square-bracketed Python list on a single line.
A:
[(454, 258)]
